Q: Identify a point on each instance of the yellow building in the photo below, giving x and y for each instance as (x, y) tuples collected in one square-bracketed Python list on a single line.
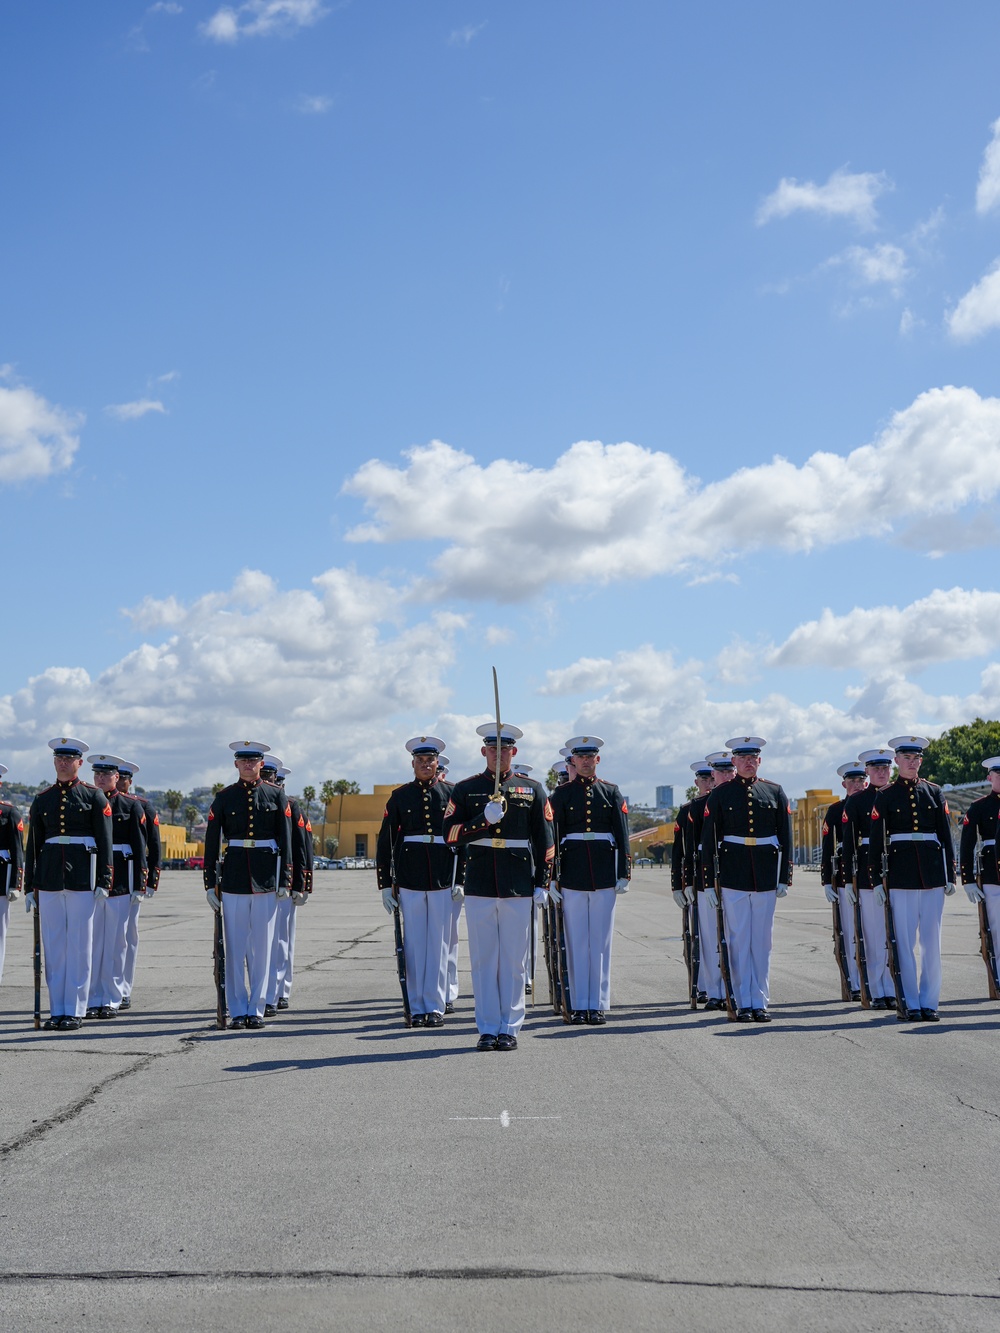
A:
[(354, 821), (807, 822), (174, 845)]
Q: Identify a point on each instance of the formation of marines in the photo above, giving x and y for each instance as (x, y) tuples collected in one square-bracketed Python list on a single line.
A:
[(514, 856)]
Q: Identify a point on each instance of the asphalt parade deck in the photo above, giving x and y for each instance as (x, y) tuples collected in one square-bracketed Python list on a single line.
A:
[(835, 1170)]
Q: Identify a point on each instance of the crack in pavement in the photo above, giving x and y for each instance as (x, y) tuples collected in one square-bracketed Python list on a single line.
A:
[(341, 953), (70, 1112), (980, 1109), (477, 1275)]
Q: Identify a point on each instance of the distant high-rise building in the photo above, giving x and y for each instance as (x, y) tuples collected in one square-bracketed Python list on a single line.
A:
[(664, 798)]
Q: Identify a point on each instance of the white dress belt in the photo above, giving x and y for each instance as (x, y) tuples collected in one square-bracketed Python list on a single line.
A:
[(500, 842), (986, 842), (864, 842), (423, 837), (124, 847), (65, 841), (770, 841), (588, 837), (265, 844), (4, 856), (913, 837)]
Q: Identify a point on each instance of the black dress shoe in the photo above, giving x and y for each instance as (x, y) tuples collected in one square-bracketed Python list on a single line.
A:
[(592, 1017), (449, 1008), (930, 1015), (417, 1020), (70, 1024), (855, 996), (702, 997), (126, 1002), (527, 987), (236, 1023), (52, 1023), (578, 1016), (600, 1018), (487, 1042), (879, 1003), (94, 1011), (711, 1005), (761, 1016), (282, 1003), (905, 1015), (269, 1010), (435, 1020), (107, 1012), (890, 1002), (254, 1022), (506, 1042), (744, 1016)]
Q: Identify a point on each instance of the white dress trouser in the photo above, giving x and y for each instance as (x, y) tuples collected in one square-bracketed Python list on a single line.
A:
[(4, 918), (749, 921), (847, 925), (279, 977), (709, 972), (426, 944), (876, 950), (992, 892), (131, 942), (456, 912), (107, 955), (589, 917), (66, 921), (248, 919), (917, 913), (498, 953)]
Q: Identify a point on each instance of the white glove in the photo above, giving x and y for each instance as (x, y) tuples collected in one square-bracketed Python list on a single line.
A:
[(137, 896), (689, 894), (148, 893), (851, 894), (879, 891), (781, 890), (555, 893), (213, 900), (949, 889), (389, 902), (13, 895), (29, 901), (540, 898), (831, 893), (711, 895), (100, 892), (493, 812), (680, 898), (973, 892), (457, 892), (299, 898), (622, 886), (281, 891)]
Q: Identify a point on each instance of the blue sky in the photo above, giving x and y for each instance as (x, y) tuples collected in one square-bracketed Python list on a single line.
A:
[(261, 257)]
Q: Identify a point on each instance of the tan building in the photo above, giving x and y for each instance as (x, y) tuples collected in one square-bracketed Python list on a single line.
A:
[(354, 821), (174, 845), (808, 814)]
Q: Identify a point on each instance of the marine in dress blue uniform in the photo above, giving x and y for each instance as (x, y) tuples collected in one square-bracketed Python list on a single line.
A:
[(11, 864), (978, 848), (282, 964), (910, 822), (590, 826), (509, 849), (856, 820), (835, 883), (107, 963), (68, 863), (444, 763), (255, 820), (415, 869), (126, 776), (748, 825)]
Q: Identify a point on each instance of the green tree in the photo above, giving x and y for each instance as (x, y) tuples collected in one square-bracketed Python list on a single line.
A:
[(191, 814), (308, 796), (326, 795), (217, 787), (957, 756), (174, 800), (343, 787), (551, 779), (331, 845), (691, 793)]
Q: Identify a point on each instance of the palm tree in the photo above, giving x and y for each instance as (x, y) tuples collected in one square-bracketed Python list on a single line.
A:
[(308, 796), (217, 787), (174, 800), (326, 795), (191, 813), (343, 787)]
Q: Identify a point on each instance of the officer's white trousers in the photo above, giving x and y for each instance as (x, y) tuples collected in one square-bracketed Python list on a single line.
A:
[(107, 955), (876, 950), (131, 942), (916, 914), (847, 925), (992, 892), (426, 945), (456, 912), (589, 918), (749, 918), (498, 953), (279, 979), (709, 972), (4, 918), (66, 921), (248, 919)]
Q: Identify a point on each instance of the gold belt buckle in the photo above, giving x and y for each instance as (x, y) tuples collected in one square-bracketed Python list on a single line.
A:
[(750, 842), (249, 842), (499, 842)]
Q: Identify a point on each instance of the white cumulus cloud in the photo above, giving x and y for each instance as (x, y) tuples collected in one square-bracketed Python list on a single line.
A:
[(946, 626), (134, 410), (36, 437), (979, 309), (465, 35), (875, 264), (846, 194), (313, 105), (262, 18), (602, 513), (988, 189)]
